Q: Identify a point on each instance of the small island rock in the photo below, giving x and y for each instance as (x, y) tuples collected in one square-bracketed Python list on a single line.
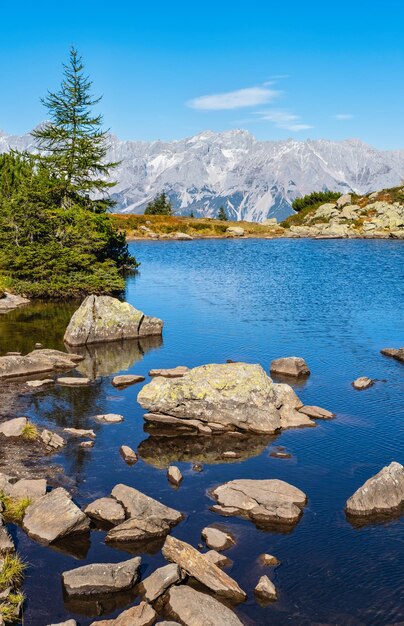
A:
[(290, 366), (362, 383), (194, 608), (101, 578), (103, 318), (383, 493)]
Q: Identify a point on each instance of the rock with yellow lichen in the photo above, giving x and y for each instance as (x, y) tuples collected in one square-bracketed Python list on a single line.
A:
[(238, 395)]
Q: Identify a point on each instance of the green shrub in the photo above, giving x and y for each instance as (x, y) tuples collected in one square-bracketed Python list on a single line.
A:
[(314, 198)]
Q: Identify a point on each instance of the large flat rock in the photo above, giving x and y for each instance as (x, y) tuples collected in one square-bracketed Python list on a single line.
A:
[(140, 615), (54, 516), (36, 362), (205, 572), (240, 395), (159, 581), (106, 510), (194, 608), (268, 501), (103, 319), (14, 427), (383, 493), (101, 578)]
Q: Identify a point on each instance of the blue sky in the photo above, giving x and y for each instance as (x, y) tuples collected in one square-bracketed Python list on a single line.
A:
[(170, 70)]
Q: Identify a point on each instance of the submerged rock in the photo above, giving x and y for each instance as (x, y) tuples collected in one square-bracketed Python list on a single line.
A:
[(238, 395), (194, 608), (102, 578), (195, 565), (54, 516), (70, 622), (148, 518), (102, 318), (290, 366), (73, 381), (363, 383), (383, 493), (52, 441), (10, 301), (268, 560), (109, 418), (80, 432), (263, 501)]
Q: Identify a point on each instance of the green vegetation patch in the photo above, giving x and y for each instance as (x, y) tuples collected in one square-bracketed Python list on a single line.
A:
[(13, 510)]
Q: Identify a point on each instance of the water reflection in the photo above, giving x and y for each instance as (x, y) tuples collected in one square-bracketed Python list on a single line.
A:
[(162, 449), (97, 605), (105, 359)]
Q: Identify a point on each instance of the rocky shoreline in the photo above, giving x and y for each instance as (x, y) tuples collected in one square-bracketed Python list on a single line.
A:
[(224, 402)]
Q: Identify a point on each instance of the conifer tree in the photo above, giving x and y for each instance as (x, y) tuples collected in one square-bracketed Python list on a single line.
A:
[(73, 145), (222, 215), (161, 205)]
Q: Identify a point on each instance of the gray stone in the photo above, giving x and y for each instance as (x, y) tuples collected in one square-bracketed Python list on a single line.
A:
[(102, 578), (51, 440), (140, 615), (174, 475), (26, 488), (290, 366), (235, 231), (6, 542), (216, 558), (13, 427), (109, 418), (11, 301), (70, 622), (182, 237), (159, 581), (217, 539), (80, 432), (148, 518), (240, 395), (288, 404), (37, 362), (194, 608), (195, 565), (265, 589), (73, 381), (383, 493), (316, 412), (40, 383), (263, 501), (346, 198), (130, 457), (363, 383), (126, 379), (102, 318), (106, 510), (174, 372), (53, 517)]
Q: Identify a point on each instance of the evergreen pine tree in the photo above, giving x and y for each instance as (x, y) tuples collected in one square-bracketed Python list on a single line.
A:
[(73, 144), (222, 215), (161, 205)]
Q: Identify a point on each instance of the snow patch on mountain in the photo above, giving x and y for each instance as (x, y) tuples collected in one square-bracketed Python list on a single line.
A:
[(252, 179)]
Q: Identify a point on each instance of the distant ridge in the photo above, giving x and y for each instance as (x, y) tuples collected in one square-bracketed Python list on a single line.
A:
[(252, 179)]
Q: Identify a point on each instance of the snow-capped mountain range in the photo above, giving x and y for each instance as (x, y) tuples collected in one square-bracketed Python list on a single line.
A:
[(252, 179)]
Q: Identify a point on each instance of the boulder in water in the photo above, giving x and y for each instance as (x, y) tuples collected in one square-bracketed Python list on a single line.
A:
[(102, 318), (383, 493)]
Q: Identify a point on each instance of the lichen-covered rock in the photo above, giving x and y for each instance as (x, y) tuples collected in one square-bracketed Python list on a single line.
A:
[(102, 318), (240, 395), (268, 501), (101, 578), (194, 608), (383, 493)]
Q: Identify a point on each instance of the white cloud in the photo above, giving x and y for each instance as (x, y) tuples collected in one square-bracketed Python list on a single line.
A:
[(284, 119), (343, 116), (249, 97)]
